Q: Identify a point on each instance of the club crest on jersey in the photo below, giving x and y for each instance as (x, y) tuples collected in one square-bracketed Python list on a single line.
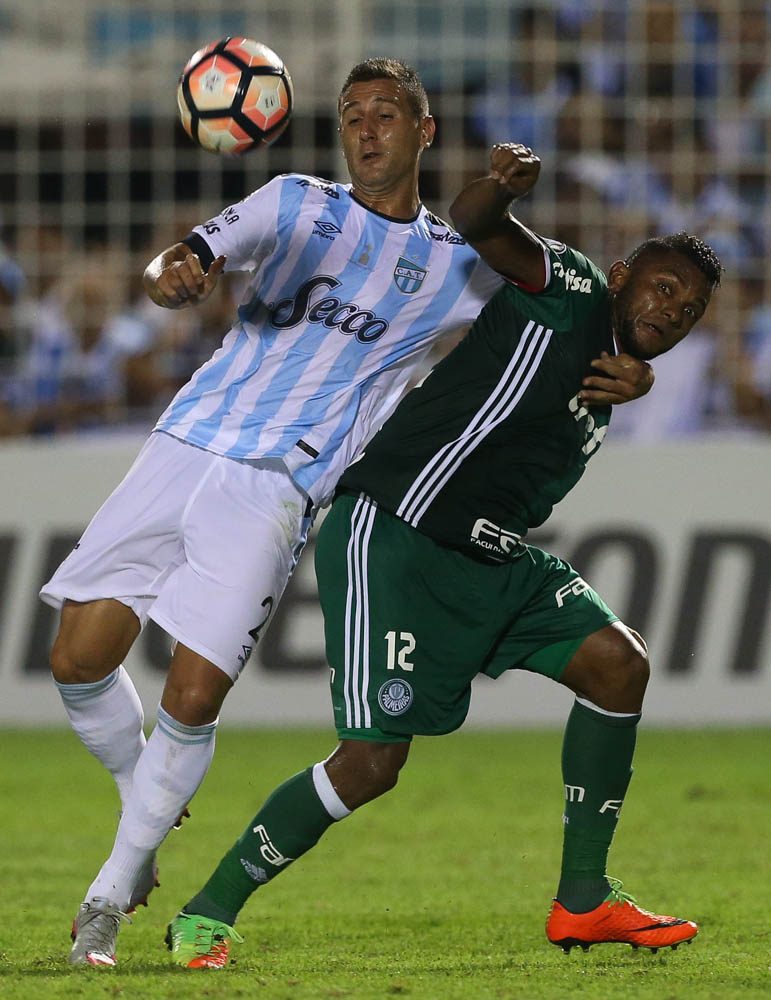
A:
[(395, 696), (408, 276)]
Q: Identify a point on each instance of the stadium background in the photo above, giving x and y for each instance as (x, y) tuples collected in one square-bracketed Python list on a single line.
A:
[(649, 117)]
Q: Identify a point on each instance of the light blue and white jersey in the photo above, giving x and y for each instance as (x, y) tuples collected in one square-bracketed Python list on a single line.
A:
[(342, 306)]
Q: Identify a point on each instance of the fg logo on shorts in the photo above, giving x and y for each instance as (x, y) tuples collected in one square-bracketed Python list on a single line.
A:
[(395, 696)]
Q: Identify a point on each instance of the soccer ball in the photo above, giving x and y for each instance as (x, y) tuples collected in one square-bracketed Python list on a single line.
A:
[(235, 95)]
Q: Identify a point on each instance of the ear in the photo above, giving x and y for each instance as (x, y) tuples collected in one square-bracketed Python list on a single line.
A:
[(618, 275), (427, 131)]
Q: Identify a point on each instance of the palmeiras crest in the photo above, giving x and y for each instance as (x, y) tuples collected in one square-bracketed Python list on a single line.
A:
[(408, 276), (395, 696)]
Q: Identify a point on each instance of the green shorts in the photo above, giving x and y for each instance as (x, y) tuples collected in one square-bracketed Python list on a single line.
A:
[(409, 623)]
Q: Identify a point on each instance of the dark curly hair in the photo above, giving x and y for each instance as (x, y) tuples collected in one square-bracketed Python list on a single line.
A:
[(389, 69), (696, 250)]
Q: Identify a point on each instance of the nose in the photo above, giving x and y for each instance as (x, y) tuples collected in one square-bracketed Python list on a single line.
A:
[(367, 126), (674, 313)]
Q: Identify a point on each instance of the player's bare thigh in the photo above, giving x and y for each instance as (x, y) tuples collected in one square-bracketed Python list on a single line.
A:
[(93, 640), (610, 669)]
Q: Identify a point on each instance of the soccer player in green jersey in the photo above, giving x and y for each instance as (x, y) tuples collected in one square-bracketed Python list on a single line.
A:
[(425, 579)]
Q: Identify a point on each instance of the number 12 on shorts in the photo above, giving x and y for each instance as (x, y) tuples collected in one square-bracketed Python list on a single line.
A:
[(397, 654)]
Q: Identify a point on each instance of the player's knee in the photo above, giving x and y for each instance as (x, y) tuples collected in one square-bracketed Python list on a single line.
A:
[(69, 666), (610, 669), (194, 705), (627, 670), (384, 776), (61, 663), (380, 772), (362, 771), (195, 688), (636, 635), (92, 640)]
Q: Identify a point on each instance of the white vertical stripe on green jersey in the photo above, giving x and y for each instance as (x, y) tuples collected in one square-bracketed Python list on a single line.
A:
[(356, 683), (495, 409)]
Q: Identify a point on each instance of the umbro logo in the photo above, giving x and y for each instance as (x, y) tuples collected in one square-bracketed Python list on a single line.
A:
[(314, 182), (446, 237), (327, 230)]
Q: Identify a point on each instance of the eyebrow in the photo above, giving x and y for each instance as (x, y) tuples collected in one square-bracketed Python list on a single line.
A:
[(380, 100)]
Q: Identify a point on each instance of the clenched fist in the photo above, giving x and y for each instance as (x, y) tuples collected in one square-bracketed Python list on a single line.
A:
[(514, 166), (175, 278), (620, 378)]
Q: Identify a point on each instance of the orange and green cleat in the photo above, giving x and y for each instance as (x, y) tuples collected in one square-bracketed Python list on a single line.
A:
[(617, 919), (199, 942)]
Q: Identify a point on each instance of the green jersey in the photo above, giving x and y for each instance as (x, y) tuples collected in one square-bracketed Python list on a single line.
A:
[(495, 435)]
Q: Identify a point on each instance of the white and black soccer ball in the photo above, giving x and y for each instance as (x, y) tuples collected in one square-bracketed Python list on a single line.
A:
[(235, 95)]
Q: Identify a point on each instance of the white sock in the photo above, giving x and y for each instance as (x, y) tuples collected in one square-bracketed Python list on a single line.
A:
[(107, 717), (603, 711), (167, 776), (325, 790)]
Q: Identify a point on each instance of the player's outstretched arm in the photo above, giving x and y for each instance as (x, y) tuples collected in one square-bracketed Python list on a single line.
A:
[(619, 378), (175, 277), (481, 215)]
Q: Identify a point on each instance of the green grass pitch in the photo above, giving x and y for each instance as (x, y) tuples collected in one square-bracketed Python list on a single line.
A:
[(438, 890)]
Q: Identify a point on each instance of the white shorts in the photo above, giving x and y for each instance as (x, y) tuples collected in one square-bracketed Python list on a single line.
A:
[(203, 545)]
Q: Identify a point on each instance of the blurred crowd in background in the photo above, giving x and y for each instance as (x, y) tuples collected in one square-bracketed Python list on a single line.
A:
[(650, 117), (81, 345)]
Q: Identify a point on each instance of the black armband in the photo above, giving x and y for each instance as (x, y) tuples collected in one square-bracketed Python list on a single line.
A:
[(200, 247)]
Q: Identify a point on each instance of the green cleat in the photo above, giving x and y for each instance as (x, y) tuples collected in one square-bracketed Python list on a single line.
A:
[(200, 943)]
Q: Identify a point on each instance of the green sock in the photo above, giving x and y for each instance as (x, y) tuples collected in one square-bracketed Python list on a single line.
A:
[(288, 824), (597, 756)]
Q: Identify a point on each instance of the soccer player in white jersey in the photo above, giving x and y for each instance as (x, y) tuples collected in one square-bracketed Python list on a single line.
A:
[(351, 285)]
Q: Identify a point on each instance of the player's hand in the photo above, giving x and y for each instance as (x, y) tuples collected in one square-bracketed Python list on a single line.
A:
[(184, 282), (620, 379), (514, 166)]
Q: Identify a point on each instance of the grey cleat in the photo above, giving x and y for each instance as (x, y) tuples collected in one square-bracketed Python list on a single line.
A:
[(94, 932)]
